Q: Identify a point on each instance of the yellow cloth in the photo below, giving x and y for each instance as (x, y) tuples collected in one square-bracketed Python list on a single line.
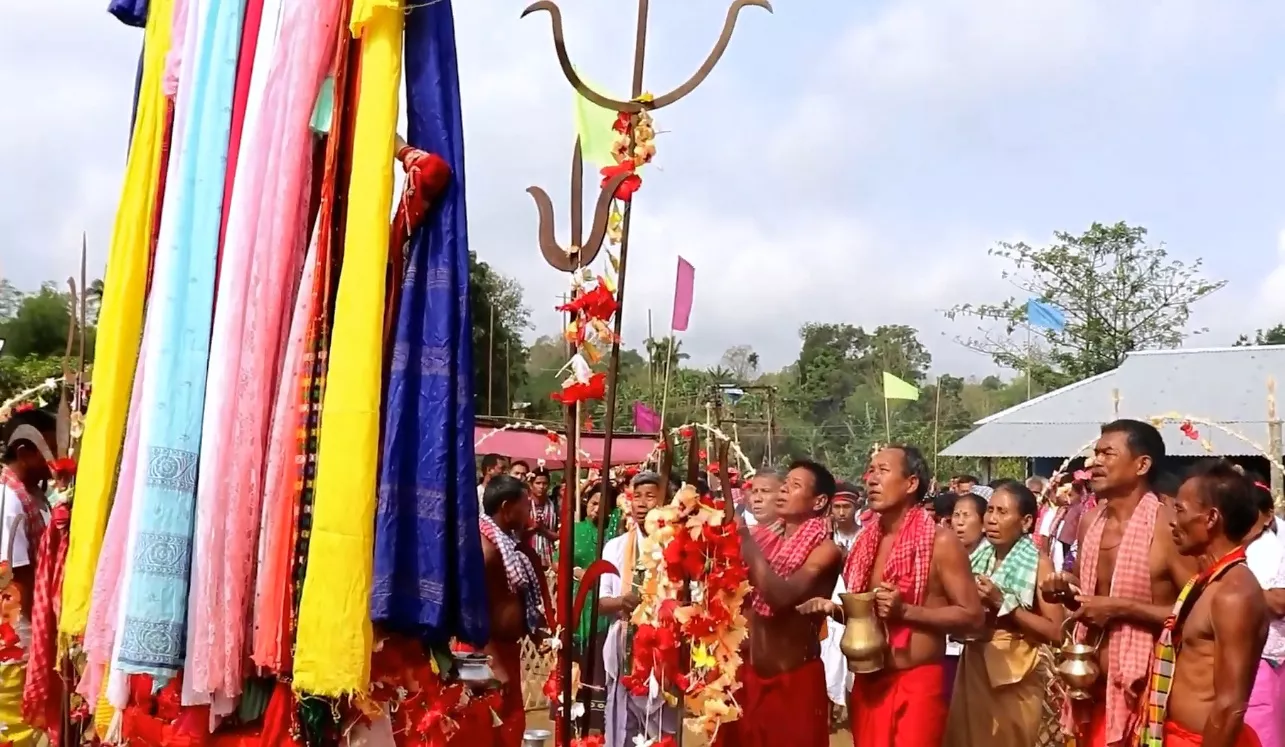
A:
[(16, 731), (116, 355), (334, 639), (998, 698)]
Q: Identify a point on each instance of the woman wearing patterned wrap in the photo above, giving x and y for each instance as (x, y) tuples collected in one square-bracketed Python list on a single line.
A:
[(24, 512), (999, 692)]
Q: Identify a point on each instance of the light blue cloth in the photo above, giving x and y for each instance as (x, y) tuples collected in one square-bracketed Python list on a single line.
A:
[(153, 636)]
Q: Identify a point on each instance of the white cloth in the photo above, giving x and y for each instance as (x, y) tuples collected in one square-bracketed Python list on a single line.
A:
[(14, 530), (611, 586), (1265, 557), (750, 521), (838, 680)]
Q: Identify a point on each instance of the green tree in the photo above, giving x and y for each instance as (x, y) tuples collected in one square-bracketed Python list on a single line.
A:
[(500, 317), (1270, 336), (39, 325), (1118, 294)]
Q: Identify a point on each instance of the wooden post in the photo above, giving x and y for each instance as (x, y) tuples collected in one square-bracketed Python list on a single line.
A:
[(1274, 444)]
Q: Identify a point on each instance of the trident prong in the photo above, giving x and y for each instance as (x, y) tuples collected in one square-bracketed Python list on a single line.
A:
[(578, 253), (658, 102)]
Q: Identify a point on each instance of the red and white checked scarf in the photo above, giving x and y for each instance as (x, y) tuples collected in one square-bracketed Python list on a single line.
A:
[(786, 555), (544, 516), (42, 691), (907, 565), (1130, 645), (521, 574), (33, 519)]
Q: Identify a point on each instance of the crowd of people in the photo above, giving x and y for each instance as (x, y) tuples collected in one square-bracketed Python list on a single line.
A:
[(1177, 579)]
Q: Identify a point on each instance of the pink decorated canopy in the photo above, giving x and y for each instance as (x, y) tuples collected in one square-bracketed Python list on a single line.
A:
[(531, 445)]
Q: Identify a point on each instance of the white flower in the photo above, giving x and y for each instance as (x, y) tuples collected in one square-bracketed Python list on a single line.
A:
[(50, 383), (642, 740)]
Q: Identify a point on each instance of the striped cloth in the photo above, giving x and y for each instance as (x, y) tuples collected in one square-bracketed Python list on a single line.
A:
[(1160, 675), (1015, 576), (787, 555), (1130, 645)]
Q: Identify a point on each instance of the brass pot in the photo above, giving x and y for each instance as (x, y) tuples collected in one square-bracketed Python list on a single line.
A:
[(863, 642), (1077, 664)]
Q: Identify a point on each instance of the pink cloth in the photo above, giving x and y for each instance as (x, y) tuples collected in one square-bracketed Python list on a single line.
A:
[(174, 58), (104, 601), (1266, 711), (276, 540), (265, 239)]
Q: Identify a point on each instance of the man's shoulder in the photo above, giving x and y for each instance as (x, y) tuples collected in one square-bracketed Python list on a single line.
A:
[(614, 544)]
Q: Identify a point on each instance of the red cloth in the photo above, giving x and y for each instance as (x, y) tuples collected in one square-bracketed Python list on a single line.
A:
[(904, 708), (427, 176), (787, 555), (512, 712), (788, 709), (42, 691), (907, 565), (1177, 736)]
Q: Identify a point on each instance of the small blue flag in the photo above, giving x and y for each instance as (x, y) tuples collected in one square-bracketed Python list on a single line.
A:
[(1045, 316)]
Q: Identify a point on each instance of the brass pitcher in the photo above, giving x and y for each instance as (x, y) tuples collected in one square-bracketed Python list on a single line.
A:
[(863, 641), (1077, 664)]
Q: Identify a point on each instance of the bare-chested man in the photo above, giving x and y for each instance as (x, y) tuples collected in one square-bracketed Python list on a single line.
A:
[(516, 598), (1125, 577), (1217, 627), (784, 698), (924, 589)]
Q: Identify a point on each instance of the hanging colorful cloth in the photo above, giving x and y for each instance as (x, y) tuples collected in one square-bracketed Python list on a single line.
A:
[(276, 178), (116, 354), (428, 559), (129, 12), (333, 648), (152, 637), (1160, 673)]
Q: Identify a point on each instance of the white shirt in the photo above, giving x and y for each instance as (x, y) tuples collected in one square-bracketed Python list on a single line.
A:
[(1265, 557), (611, 585), (13, 527)]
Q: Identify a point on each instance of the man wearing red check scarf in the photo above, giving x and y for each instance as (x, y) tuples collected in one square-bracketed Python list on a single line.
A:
[(783, 698), (924, 589)]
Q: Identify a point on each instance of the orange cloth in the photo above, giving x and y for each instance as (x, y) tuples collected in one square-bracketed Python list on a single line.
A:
[(791, 708), (1177, 736), (905, 708)]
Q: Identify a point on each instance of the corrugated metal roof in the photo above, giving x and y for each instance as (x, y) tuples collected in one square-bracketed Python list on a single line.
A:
[(1225, 385)]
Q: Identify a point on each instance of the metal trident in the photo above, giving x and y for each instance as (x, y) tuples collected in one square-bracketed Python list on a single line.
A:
[(577, 255)]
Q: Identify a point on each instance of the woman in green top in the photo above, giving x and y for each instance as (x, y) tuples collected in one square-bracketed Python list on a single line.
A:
[(584, 553)]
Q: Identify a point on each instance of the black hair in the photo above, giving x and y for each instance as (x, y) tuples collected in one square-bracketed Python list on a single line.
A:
[(595, 488), (843, 486), (540, 472), (491, 460), (1263, 500), (965, 478), (1027, 503), (822, 479), (944, 504), (41, 420), (1143, 440), (1220, 486), (1166, 482), (914, 465), (501, 491), (521, 462)]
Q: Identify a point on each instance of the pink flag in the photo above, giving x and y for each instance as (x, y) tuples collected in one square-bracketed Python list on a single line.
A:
[(646, 420), (684, 287)]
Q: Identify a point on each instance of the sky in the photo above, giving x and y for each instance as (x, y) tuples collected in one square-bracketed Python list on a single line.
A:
[(845, 162)]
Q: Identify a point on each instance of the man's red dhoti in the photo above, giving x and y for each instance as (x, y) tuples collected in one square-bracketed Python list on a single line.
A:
[(1177, 736), (905, 708), (512, 705), (791, 708)]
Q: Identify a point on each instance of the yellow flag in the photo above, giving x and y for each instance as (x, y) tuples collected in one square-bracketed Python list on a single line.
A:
[(894, 388), (594, 126)]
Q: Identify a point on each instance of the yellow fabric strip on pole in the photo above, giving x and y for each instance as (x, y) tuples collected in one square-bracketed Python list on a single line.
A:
[(116, 357), (334, 638)]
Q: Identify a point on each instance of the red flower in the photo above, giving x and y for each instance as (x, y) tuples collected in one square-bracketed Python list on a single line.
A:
[(683, 558), (631, 184), (713, 468), (685, 432), (702, 454), (596, 304), (553, 437), (577, 392), (621, 124), (1189, 430), (28, 407)]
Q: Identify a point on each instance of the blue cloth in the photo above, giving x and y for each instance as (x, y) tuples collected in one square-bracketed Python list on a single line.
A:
[(153, 637), (129, 12), (428, 548), (1045, 316)]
